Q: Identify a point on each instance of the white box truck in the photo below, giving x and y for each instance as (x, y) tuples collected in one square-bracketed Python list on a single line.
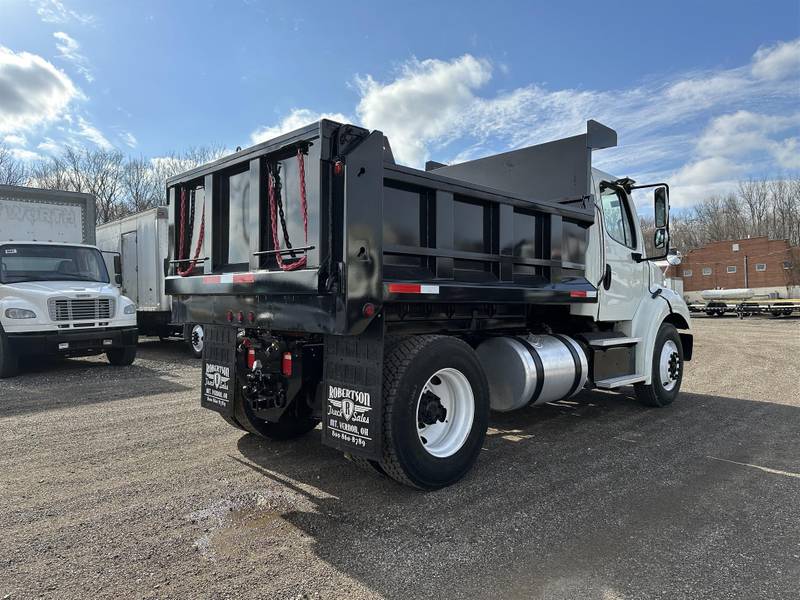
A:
[(141, 241), (56, 295)]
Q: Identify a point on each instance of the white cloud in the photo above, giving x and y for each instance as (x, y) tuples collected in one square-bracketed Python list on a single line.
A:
[(744, 132), (93, 134), (128, 139), (297, 118), (426, 103), (32, 91), (776, 62), (69, 49), (25, 155), (787, 153), (704, 171), (49, 145), (55, 11), (16, 140)]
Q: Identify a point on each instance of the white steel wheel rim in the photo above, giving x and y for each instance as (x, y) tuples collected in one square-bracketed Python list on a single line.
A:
[(445, 438), (669, 352), (197, 338)]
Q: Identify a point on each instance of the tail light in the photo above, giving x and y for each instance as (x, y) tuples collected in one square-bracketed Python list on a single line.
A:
[(286, 364), (251, 357)]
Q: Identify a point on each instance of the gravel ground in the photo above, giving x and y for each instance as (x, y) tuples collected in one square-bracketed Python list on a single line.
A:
[(115, 484)]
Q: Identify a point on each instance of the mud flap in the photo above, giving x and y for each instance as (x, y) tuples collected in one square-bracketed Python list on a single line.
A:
[(353, 403), (219, 369)]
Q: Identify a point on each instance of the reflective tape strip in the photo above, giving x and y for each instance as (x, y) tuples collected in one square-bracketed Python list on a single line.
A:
[(230, 278), (412, 288)]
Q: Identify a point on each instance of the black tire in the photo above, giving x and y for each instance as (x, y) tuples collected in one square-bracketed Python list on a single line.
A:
[(655, 394), (9, 361), (120, 357), (408, 364), (289, 427), (365, 464), (233, 422)]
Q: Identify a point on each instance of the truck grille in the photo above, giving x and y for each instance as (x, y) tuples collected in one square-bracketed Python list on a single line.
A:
[(64, 309)]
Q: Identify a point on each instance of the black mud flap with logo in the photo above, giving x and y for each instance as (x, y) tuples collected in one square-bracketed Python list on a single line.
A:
[(219, 368), (352, 404)]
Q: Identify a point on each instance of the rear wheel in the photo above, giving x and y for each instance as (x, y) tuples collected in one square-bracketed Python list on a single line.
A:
[(9, 361), (667, 369), (290, 425), (196, 339), (120, 357), (365, 464), (436, 410)]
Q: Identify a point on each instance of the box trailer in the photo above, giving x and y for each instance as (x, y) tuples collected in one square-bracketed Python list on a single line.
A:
[(141, 241), (57, 296), (398, 306)]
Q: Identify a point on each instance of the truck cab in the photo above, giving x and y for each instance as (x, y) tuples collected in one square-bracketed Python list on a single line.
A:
[(57, 298)]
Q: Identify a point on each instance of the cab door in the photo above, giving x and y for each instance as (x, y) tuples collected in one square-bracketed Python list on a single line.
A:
[(621, 290)]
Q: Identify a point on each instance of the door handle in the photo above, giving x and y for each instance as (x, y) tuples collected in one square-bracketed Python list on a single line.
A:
[(607, 277)]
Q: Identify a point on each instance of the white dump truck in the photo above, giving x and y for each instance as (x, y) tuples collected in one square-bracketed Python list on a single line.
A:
[(398, 306), (56, 295), (141, 241)]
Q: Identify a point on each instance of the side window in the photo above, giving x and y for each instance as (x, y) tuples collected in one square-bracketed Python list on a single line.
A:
[(617, 217)]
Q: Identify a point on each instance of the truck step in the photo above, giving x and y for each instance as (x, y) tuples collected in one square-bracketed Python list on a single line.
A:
[(613, 341), (615, 382)]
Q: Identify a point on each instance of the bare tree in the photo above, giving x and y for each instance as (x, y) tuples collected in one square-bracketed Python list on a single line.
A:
[(141, 185), (102, 174), (12, 171), (759, 207)]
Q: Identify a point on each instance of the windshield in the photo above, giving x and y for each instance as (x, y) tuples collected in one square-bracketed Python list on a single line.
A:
[(51, 263)]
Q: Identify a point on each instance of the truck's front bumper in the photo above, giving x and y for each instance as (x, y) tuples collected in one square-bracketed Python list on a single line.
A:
[(73, 343)]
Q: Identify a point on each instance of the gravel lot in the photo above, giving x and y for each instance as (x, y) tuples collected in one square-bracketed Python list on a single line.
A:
[(115, 483)]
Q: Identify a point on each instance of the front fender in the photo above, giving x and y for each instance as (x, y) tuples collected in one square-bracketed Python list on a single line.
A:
[(667, 306)]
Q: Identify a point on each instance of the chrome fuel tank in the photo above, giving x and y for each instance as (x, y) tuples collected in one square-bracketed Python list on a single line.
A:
[(532, 369)]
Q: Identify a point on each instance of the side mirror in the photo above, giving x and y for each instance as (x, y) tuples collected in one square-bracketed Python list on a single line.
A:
[(660, 238), (674, 259), (118, 269), (661, 206)]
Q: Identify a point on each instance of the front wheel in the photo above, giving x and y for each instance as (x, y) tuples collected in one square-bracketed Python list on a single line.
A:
[(667, 369), (436, 410), (121, 356)]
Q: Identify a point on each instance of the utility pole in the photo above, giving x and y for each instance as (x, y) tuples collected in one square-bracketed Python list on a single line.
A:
[(745, 271)]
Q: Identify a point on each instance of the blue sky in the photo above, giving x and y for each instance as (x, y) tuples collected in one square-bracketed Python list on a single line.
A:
[(701, 93)]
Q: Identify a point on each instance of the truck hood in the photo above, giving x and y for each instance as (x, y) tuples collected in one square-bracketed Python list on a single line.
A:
[(70, 289)]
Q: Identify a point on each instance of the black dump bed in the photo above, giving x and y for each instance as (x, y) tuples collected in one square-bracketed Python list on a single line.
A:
[(365, 232)]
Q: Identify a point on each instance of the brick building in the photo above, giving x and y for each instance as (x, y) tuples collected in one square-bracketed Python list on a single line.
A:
[(771, 268)]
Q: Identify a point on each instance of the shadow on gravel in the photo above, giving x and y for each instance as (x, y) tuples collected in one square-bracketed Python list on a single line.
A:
[(594, 498), (59, 383)]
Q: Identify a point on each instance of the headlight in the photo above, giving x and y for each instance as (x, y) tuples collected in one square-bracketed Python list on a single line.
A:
[(130, 309), (20, 313)]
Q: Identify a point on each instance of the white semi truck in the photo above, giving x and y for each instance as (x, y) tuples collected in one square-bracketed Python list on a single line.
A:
[(141, 242), (56, 294)]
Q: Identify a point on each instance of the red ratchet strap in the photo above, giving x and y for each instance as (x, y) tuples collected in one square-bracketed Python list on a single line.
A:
[(183, 272), (300, 263)]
